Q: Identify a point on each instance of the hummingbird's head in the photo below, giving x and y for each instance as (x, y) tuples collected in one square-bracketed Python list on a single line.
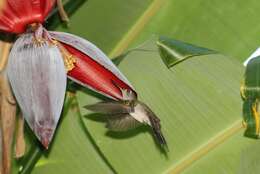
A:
[(128, 95)]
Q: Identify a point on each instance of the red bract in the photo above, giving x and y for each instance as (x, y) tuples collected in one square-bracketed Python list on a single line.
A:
[(94, 75), (18, 14), (92, 68)]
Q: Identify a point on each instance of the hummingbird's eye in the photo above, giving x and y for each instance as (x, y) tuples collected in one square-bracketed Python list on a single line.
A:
[(127, 102)]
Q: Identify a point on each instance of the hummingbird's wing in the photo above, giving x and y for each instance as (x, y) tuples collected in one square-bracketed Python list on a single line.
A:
[(113, 107), (122, 122)]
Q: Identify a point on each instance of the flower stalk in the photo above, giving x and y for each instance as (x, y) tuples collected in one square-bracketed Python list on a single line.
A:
[(20, 144), (8, 116)]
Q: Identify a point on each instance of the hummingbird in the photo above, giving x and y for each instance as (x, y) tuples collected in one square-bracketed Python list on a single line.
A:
[(129, 113)]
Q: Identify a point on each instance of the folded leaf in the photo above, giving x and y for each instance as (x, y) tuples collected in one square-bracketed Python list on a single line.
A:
[(250, 92), (38, 79), (92, 68), (17, 14), (173, 51)]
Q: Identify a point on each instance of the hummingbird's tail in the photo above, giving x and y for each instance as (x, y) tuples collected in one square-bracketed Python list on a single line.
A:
[(156, 127)]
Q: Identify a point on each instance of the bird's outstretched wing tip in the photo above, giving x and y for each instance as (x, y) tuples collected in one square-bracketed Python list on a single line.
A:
[(91, 107), (109, 107)]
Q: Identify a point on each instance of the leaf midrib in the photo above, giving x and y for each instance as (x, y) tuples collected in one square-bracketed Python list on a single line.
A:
[(136, 29), (204, 149)]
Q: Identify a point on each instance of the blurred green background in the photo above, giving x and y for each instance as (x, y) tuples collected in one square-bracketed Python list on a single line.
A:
[(197, 101)]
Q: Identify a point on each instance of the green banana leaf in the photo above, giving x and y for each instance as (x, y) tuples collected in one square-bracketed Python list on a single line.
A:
[(196, 103), (197, 100)]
